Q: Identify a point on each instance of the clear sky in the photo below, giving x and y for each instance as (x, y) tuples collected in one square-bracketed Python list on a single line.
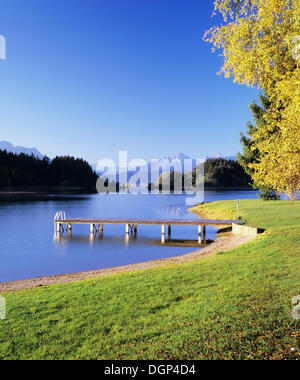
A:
[(92, 77)]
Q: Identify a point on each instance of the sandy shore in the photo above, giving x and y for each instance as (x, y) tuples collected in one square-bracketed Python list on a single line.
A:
[(224, 242)]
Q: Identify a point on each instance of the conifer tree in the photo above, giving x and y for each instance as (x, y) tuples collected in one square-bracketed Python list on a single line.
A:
[(251, 154)]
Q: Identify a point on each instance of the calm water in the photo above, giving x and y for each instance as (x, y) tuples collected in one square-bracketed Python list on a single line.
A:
[(28, 248)]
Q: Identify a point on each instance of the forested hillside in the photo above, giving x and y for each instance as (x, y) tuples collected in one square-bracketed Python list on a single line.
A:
[(28, 171), (218, 173), (225, 173)]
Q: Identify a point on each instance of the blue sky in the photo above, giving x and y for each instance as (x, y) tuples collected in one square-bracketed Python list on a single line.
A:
[(92, 77)]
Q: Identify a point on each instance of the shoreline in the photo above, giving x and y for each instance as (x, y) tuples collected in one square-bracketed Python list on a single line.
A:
[(225, 241), (76, 190)]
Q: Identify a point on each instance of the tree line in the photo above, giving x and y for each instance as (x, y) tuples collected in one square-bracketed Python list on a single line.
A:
[(21, 170), (218, 173), (225, 173)]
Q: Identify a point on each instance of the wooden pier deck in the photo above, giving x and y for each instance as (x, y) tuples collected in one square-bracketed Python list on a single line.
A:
[(131, 224)]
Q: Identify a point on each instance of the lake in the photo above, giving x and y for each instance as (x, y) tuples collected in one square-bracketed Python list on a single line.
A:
[(29, 249)]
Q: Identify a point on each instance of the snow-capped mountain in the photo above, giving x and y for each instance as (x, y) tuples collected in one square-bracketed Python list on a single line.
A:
[(10, 148), (218, 155), (178, 156), (152, 171)]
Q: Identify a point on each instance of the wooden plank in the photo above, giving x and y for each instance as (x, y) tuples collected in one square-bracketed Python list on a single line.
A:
[(185, 222)]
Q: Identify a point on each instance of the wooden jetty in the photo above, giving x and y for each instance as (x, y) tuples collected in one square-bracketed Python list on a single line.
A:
[(97, 224)]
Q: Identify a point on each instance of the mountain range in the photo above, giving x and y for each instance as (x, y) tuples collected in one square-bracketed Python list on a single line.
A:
[(10, 148), (5, 145), (145, 171)]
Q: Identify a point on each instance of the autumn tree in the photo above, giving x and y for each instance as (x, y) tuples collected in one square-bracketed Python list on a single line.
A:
[(260, 46)]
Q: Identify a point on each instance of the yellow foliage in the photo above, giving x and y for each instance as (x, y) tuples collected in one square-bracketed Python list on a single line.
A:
[(261, 47)]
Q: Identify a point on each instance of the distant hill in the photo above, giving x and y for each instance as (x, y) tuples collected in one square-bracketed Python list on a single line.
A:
[(10, 148), (218, 173), (23, 172)]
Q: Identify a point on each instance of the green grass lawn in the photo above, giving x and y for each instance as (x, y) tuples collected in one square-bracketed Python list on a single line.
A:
[(235, 305)]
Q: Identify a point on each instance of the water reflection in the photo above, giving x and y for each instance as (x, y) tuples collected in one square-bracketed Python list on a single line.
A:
[(177, 211), (35, 253), (27, 197), (127, 240)]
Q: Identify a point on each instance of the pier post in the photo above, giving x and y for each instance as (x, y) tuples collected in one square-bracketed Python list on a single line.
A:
[(58, 227), (127, 229), (200, 234), (135, 229), (169, 231), (92, 238), (204, 234), (92, 228), (163, 230), (69, 227)]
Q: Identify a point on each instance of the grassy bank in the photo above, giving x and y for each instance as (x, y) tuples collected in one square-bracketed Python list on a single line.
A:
[(236, 305)]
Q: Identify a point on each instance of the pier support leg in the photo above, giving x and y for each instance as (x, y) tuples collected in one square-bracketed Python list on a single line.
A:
[(58, 228), (92, 228), (163, 229), (135, 229), (92, 238), (204, 234), (169, 231), (127, 229), (69, 227), (200, 234), (100, 230)]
